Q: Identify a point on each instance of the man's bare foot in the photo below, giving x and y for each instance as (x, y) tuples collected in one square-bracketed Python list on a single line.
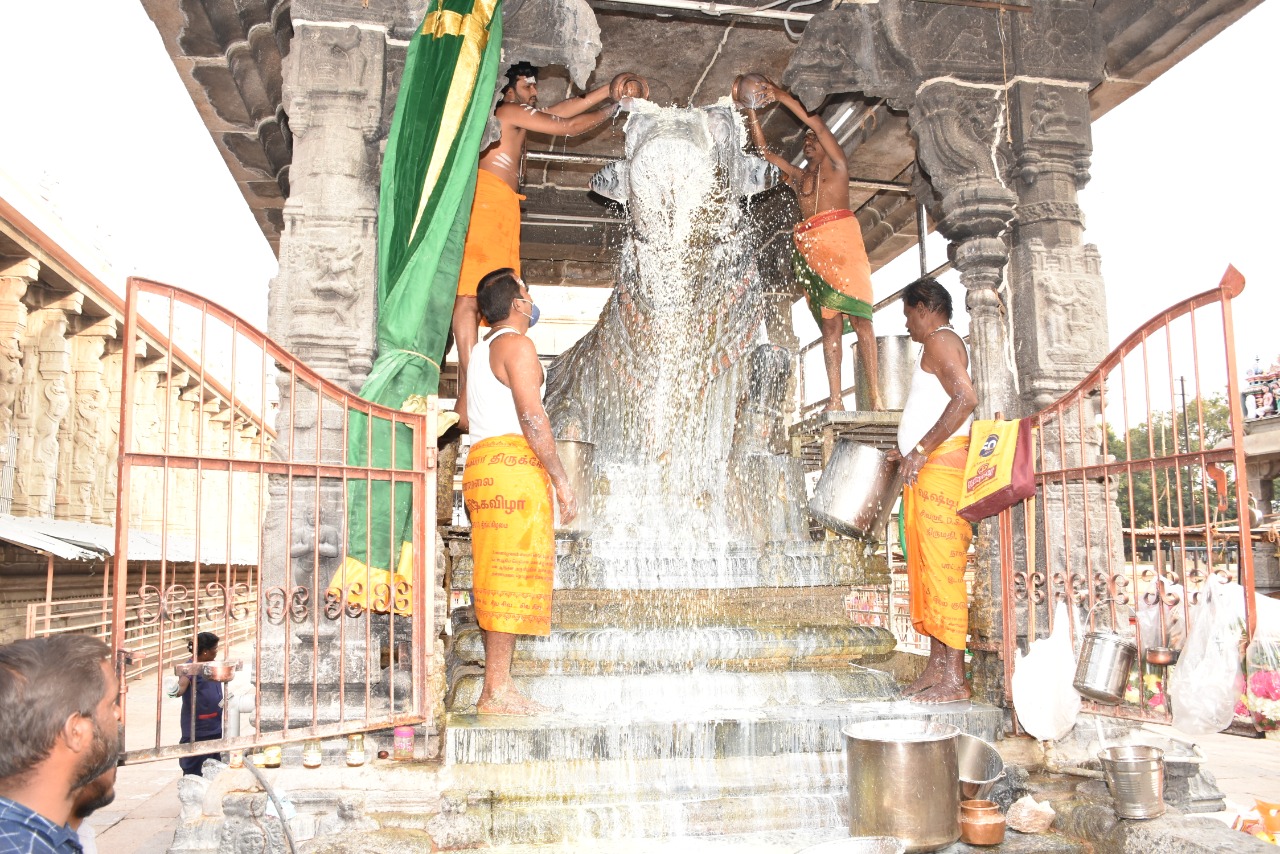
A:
[(509, 702), (942, 692), (924, 681), (834, 405)]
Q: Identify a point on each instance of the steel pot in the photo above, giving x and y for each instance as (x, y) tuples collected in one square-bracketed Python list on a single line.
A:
[(1103, 669), (895, 362), (577, 458), (902, 782), (856, 491), (220, 671)]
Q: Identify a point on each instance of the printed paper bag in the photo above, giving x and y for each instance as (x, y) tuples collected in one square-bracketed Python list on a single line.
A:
[(999, 472)]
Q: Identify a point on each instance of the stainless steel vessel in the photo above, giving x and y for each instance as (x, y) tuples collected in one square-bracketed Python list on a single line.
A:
[(856, 491), (1135, 776), (577, 458), (903, 782), (1103, 669), (895, 360)]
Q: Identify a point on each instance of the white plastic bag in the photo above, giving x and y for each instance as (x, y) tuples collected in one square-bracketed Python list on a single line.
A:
[(1206, 682), (1043, 696)]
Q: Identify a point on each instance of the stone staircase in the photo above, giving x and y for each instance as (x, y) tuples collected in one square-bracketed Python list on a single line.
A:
[(706, 714)]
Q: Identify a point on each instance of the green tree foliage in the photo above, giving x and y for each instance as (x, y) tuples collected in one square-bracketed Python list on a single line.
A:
[(1159, 493)]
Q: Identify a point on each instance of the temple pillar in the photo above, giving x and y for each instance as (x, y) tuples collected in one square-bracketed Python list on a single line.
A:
[(1060, 324), (43, 400), (79, 479), (16, 275), (109, 432)]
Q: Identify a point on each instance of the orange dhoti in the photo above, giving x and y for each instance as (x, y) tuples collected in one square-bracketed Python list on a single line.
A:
[(493, 234), (937, 543), (508, 495), (830, 263)]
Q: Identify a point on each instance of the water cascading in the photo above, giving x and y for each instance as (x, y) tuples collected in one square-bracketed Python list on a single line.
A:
[(674, 385)]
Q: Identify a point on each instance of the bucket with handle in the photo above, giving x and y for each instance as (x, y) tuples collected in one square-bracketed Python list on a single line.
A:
[(1106, 657)]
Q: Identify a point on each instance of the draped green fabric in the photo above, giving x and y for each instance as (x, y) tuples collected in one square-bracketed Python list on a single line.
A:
[(428, 179)]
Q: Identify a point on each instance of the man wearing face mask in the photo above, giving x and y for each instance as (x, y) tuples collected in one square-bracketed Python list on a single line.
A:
[(59, 733), (507, 486), (493, 237)]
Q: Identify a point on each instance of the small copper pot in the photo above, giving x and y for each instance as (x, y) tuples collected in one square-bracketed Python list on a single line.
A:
[(981, 823), (627, 85), (750, 91)]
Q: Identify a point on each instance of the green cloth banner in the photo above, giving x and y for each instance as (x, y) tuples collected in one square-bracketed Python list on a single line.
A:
[(428, 179)]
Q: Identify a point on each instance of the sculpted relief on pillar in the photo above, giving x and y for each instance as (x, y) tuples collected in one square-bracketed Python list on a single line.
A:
[(322, 303), (13, 325)]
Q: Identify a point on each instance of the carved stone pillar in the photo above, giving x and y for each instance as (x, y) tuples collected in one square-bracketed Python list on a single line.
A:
[(957, 130), (15, 276), (109, 433), (323, 302), (339, 90), (80, 477), (44, 398)]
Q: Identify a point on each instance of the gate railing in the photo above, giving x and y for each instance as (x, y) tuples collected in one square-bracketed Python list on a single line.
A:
[(254, 476), (1141, 490)]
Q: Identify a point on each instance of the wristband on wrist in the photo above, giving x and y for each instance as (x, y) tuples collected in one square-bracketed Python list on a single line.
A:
[(920, 450)]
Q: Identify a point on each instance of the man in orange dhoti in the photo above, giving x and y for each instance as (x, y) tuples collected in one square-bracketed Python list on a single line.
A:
[(830, 260), (507, 486), (933, 444), (493, 236)]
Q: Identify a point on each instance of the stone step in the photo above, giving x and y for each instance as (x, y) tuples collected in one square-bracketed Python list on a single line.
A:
[(762, 731), (654, 565), (772, 842), (689, 694), (684, 649), (748, 606)]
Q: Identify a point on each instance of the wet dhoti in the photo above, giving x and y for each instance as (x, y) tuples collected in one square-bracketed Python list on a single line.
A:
[(830, 263), (508, 495), (493, 233), (937, 543)]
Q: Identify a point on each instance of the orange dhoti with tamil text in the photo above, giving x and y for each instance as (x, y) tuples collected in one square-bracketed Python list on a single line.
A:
[(508, 495), (493, 233), (937, 543)]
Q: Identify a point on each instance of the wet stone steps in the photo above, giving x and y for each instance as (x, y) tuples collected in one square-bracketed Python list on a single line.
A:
[(679, 649), (765, 731)]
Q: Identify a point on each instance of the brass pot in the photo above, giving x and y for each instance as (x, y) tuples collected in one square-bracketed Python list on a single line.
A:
[(627, 85), (750, 91)]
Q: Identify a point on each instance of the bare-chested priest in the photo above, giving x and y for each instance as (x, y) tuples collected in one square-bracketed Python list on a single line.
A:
[(830, 260), (493, 237)]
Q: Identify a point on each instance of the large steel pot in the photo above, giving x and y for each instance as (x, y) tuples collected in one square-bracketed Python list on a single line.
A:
[(1103, 670), (903, 782), (577, 458), (895, 362), (856, 491)]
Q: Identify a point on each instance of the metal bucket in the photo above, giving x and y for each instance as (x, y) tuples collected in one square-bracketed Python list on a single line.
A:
[(1135, 776), (981, 767), (902, 782), (577, 458), (1103, 668), (856, 492), (895, 362)]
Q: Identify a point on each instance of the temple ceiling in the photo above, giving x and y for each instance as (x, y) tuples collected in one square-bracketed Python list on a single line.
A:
[(230, 55)]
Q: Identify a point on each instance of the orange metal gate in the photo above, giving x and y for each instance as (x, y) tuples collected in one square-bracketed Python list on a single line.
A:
[(1140, 480), (235, 488)]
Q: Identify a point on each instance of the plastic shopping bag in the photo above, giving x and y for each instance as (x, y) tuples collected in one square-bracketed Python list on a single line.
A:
[(1205, 683), (1043, 696), (999, 471)]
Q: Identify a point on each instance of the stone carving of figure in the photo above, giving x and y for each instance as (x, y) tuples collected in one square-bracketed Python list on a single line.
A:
[(85, 449), (57, 403), (335, 268), (10, 375), (337, 60)]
